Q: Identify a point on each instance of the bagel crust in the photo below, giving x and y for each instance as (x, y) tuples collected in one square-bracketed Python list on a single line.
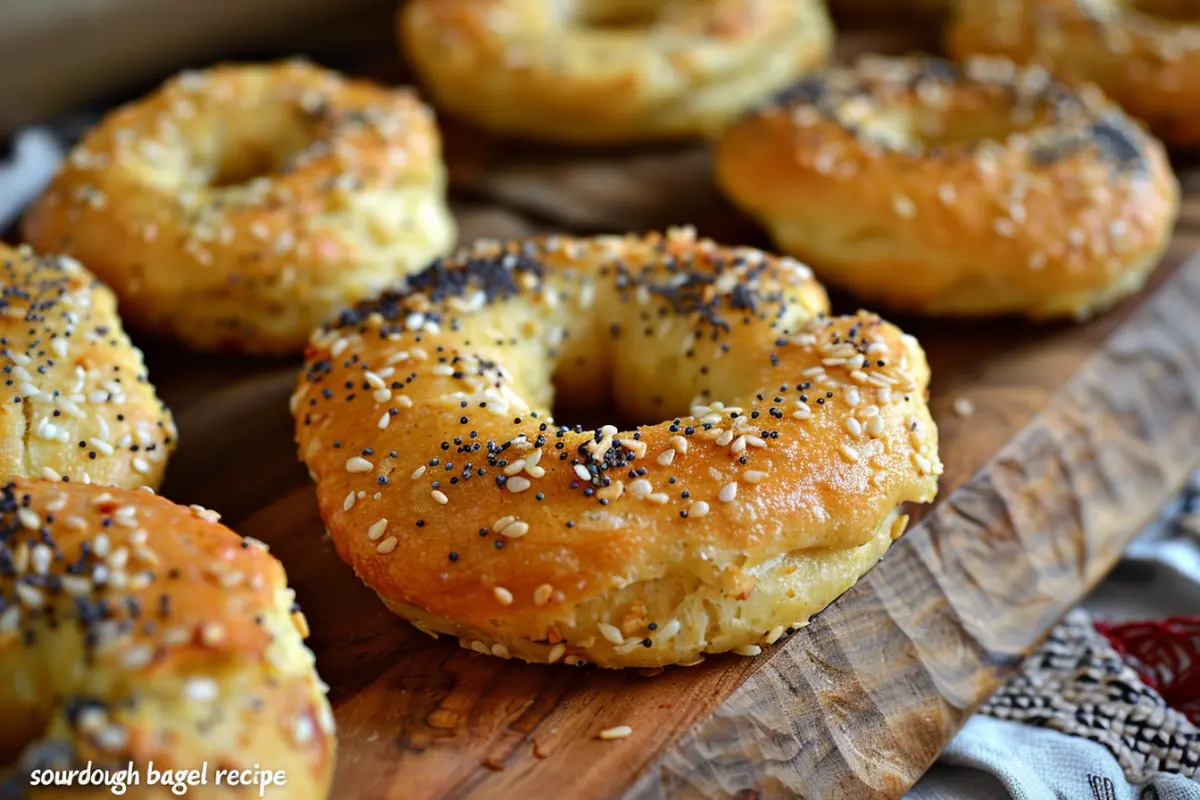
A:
[(610, 71), (136, 630), (992, 189), (238, 208), (79, 405), (790, 440), (1147, 62)]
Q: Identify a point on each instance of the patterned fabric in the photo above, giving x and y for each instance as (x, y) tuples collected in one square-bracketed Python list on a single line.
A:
[(1077, 683), (1166, 655)]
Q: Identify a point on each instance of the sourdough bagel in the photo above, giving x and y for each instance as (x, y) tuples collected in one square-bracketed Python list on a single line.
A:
[(1145, 55), (136, 630), (990, 189), (79, 405), (424, 417), (237, 208), (610, 71)]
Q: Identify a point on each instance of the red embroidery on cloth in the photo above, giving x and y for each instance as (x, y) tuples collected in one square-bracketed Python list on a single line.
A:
[(1166, 655)]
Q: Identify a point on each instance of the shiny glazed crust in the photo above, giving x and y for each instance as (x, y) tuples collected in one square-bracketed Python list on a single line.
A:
[(78, 403), (237, 208), (790, 439), (568, 72), (985, 190), (133, 629), (1149, 64)]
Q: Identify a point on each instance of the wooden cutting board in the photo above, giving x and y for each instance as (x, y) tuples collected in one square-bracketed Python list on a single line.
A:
[(1079, 434)]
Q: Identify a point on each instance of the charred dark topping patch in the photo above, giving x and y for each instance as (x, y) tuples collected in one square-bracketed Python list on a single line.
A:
[(1073, 122), (1121, 141)]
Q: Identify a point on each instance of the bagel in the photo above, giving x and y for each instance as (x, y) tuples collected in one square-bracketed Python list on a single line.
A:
[(790, 442), (79, 404), (236, 209), (1145, 55), (133, 630), (992, 189), (592, 72)]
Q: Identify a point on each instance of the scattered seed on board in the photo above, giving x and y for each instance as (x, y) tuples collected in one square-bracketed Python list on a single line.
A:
[(619, 732)]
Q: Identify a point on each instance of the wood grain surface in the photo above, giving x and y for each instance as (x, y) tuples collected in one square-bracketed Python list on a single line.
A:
[(1080, 432)]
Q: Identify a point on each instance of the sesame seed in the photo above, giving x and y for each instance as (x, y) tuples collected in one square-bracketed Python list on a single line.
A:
[(611, 633), (754, 476), (303, 730), (212, 634), (503, 596), (699, 509), (619, 732), (963, 406), (667, 457), (387, 545), (418, 472), (200, 690), (850, 453), (582, 472), (748, 650), (39, 559), (514, 530), (728, 492), (359, 464), (29, 596), (377, 529), (875, 426), (439, 497), (29, 518), (541, 595), (556, 653), (517, 484), (206, 514)]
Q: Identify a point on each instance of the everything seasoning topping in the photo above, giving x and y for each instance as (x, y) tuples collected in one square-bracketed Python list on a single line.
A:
[(111, 586), (474, 340), (274, 215), (82, 385), (1048, 119)]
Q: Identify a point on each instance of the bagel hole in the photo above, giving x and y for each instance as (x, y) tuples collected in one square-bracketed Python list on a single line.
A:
[(571, 411), (249, 154), (240, 165), (966, 127)]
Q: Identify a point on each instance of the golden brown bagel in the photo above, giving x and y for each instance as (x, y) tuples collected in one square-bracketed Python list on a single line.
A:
[(989, 190), (610, 71), (424, 417), (136, 630), (237, 208), (78, 403), (1145, 55)]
